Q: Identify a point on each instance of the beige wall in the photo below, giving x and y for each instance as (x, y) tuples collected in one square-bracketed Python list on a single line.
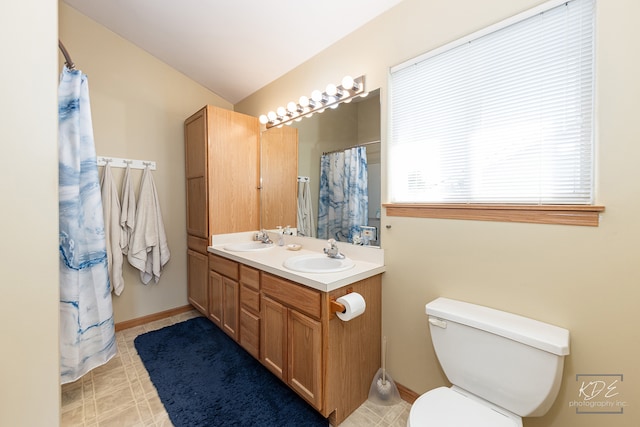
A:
[(584, 279), (29, 371), (138, 105)]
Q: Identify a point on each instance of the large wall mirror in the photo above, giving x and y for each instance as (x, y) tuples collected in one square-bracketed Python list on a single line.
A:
[(356, 123)]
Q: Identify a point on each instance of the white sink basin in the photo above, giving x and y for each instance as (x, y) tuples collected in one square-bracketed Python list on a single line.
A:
[(317, 263), (248, 246)]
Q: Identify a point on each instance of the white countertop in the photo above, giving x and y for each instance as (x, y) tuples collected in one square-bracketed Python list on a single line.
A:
[(369, 261)]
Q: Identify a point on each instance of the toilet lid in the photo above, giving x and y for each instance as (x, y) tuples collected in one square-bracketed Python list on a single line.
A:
[(444, 407)]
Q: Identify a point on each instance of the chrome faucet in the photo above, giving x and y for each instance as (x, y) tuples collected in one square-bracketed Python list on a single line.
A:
[(262, 236), (332, 251)]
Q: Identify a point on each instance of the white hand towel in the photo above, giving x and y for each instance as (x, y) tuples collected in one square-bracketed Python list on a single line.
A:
[(128, 213), (112, 231), (306, 224), (148, 249)]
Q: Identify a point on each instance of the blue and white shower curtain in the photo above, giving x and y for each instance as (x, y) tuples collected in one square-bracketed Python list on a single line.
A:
[(87, 334), (344, 201)]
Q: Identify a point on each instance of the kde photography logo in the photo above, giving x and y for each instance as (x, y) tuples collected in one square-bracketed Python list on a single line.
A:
[(599, 394)]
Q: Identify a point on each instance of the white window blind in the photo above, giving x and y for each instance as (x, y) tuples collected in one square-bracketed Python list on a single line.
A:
[(503, 116)]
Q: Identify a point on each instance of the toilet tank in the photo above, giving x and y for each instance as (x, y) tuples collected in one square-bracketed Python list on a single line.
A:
[(509, 360)]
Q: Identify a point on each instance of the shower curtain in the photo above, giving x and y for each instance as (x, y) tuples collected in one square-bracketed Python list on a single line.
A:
[(87, 335), (344, 201)]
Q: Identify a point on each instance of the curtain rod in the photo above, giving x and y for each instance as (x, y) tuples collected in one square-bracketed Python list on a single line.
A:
[(353, 146), (69, 63)]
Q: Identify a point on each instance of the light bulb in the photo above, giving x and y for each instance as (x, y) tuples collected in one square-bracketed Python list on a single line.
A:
[(271, 116), (316, 95), (281, 112), (331, 89), (348, 83), (263, 119), (303, 101), (292, 107)]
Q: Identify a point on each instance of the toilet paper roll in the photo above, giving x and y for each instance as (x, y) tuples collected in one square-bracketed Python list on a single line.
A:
[(354, 305)]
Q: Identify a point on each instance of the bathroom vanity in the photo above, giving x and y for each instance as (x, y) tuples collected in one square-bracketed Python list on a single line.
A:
[(234, 182), (285, 318)]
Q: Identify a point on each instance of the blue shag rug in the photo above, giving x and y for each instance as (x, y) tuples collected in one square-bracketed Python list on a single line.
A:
[(204, 378)]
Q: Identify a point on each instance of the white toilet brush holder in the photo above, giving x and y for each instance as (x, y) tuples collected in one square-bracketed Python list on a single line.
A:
[(383, 390)]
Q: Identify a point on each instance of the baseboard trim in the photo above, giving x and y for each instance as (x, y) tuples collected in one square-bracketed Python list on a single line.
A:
[(152, 317), (406, 394)]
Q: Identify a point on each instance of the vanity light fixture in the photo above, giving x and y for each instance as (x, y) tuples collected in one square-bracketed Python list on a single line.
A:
[(350, 84), (317, 103)]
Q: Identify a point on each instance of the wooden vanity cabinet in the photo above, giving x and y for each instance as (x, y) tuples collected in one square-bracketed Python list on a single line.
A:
[(222, 171), (292, 336), (224, 296), (290, 328), (328, 362)]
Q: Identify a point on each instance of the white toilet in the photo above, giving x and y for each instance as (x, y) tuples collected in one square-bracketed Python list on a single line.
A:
[(502, 366)]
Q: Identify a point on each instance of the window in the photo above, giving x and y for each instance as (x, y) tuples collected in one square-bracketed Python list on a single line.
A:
[(504, 116)]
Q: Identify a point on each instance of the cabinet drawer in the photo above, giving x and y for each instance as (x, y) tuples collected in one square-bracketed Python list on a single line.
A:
[(223, 266), (249, 298), (250, 277), (197, 244), (293, 295)]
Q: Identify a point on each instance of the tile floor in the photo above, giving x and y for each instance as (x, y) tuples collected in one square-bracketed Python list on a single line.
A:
[(120, 393)]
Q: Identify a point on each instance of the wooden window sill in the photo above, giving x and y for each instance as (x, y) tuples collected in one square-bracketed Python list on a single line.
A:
[(586, 215)]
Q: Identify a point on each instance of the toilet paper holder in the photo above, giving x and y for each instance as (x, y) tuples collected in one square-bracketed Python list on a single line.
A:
[(335, 306)]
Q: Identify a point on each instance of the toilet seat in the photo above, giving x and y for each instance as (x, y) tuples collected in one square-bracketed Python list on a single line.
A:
[(449, 407)]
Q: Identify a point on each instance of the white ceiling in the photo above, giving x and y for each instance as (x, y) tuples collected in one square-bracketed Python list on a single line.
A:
[(233, 47)]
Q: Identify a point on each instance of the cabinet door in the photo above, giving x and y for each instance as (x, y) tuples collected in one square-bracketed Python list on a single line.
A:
[(250, 332), (195, 139), (305, 357), (279, 167), (197, 267), (234, 171), (273, 334), (215, 297), (230, 304)]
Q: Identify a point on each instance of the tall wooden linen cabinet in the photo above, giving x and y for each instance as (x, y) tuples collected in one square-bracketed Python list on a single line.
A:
[(222, 157)]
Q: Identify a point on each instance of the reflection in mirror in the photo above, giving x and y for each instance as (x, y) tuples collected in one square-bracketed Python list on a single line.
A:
[(335, 130), (278, 172)]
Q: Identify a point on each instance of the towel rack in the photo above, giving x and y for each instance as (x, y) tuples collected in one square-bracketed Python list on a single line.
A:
[(116, 162)]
